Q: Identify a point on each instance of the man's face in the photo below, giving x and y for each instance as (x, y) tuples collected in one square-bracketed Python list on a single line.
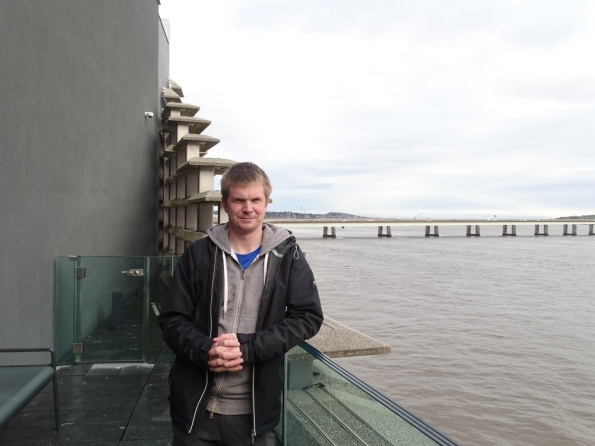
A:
[(246, 206)]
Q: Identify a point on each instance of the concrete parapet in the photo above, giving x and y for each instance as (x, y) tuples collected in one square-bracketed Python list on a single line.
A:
[(338, 341), (335, 340)]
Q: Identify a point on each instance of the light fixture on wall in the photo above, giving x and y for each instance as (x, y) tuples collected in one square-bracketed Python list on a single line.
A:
[(148, 114)]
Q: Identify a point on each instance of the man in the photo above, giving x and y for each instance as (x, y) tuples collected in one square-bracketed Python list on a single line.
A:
[(239, 299)]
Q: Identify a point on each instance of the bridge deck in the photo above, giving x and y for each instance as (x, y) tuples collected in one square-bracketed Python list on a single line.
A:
[(400, 222)]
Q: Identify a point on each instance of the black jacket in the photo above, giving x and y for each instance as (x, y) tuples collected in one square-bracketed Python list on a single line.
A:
[(290, 312)]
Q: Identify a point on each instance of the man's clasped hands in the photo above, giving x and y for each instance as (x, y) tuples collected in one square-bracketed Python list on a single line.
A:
[(225, 354)]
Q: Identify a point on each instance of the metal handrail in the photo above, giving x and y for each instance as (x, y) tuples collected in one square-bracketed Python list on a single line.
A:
[(52, 363), (403, 413)]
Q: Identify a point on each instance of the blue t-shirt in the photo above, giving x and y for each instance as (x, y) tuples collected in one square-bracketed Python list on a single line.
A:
[(246, 259)]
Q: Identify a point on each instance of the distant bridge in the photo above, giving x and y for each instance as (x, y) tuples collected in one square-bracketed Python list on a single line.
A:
[(432, 225)]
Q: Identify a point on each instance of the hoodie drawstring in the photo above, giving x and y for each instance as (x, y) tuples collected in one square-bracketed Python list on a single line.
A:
[(225, 291), (266, 261)]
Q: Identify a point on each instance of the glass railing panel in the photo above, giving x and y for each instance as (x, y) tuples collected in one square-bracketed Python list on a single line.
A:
[(65, 289), (110, 309), (107, 308), (327, 405), (160, 272)]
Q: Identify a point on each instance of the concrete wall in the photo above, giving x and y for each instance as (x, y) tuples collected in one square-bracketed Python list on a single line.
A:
[(79, 165)]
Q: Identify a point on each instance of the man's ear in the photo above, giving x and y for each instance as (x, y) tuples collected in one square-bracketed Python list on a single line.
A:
[(224, 204)]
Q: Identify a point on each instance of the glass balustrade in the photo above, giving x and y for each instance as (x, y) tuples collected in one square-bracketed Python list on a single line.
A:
[(106, 311), (324, 404), (107, 307)]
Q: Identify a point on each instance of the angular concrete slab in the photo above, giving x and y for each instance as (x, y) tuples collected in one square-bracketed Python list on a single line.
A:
[(185, 234), (196, 125), (181, 107), (169, 151), (210, 196), (205, 142), (169, 95), (220, 165)]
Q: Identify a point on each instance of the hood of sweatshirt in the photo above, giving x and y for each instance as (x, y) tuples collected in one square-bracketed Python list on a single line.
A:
[(272, 236), (239, 312)]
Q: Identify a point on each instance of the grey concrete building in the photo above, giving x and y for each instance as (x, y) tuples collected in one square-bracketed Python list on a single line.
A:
[(80, 160)]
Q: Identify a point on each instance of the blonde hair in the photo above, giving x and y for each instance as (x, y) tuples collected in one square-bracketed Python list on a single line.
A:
[(242, 174)]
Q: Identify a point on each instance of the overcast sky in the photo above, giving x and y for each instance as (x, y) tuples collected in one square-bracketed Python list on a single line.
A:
[(425, 108)]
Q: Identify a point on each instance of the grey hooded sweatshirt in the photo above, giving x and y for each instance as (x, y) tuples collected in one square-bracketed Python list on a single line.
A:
[(240, 302)]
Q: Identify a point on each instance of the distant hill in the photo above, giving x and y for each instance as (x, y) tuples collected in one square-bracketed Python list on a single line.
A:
[(576, 217), (308, 216)]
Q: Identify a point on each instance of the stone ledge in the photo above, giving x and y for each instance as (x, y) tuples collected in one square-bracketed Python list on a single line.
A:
[(205, 142), (185, 234), (339, 341), (196, 125), (185, 109), (211, 196), (169, 95), (220, 165)]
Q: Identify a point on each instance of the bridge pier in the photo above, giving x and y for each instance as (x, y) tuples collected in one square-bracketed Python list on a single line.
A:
[(591, 230), (388, 232), (505, 230), (545, 230), (325, 233), (566, 230), (435, 234), (470, 234)]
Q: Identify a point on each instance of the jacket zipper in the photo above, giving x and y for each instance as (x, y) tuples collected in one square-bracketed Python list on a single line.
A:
[(254, 366), (234, 330), (210, 334)]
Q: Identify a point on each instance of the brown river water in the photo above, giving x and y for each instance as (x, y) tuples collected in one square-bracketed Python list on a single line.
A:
[(493, 338)]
